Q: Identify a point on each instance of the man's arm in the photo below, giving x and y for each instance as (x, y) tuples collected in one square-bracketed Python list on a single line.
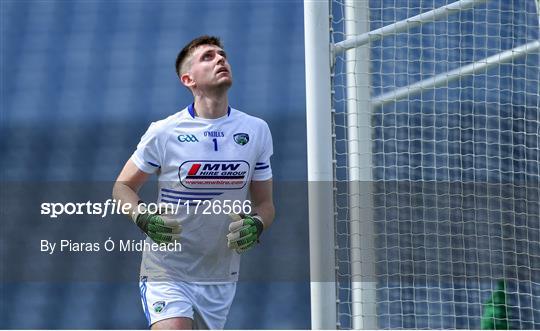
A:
[(262, 201), (159, 228), (127, 186)]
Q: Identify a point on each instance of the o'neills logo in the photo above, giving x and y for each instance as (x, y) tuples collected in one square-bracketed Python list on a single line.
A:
[(214, 174)]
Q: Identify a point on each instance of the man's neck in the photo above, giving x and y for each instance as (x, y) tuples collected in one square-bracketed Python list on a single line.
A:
[(211, 107)]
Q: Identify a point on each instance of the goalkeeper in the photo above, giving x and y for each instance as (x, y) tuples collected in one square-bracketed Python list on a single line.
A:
[(207, 152)]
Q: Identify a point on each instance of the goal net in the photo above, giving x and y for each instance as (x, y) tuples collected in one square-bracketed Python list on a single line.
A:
[(436, 110)]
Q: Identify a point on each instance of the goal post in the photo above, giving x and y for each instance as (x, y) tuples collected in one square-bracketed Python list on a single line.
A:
[(423, 142), (359, 166), (320, 165)]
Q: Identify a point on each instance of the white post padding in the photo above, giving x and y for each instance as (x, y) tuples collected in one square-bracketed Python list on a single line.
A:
[(320, 165)]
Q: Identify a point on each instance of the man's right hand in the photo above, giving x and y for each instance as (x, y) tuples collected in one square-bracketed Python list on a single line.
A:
[(159, 227)]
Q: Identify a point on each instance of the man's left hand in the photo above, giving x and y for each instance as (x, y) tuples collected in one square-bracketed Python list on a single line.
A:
[(244, 232)]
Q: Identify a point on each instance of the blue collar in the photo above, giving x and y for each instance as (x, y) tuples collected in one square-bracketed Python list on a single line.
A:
[(191, 110)]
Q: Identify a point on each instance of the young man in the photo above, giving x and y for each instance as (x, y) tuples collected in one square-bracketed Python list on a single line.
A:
[(207, 154)]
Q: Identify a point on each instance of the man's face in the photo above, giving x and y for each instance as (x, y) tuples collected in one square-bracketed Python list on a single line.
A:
[(209, 68)]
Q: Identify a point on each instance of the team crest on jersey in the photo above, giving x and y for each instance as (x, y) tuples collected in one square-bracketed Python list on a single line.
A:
[(158, 306), (241, 138), (207, 174)]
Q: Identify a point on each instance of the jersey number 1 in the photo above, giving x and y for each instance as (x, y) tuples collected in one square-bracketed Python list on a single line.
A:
[(215, 144)]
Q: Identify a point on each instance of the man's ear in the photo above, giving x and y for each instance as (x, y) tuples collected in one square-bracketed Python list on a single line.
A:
[(187, 80)]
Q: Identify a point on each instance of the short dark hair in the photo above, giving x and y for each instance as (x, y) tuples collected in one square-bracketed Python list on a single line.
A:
[(191, 46)]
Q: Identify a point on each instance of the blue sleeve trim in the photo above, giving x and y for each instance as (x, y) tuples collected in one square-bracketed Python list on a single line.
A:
[(261, 168), (153, 164)]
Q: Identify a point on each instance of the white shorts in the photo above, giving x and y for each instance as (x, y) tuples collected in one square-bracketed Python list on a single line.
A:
[(206, 304)]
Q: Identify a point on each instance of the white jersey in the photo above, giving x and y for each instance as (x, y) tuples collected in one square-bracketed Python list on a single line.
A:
[(199, 159)]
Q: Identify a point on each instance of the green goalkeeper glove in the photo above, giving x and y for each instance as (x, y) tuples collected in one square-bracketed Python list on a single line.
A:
[(244, 232), (157, 226)]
